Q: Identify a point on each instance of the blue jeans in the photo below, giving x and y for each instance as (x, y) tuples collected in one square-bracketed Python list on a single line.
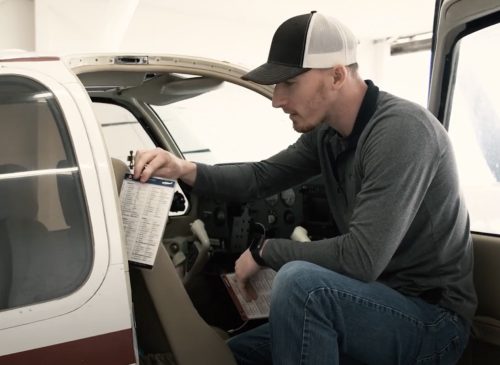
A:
[(321, 317)]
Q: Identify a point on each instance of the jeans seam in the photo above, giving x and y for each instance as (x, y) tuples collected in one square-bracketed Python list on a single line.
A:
[(243, 359), (309, 295), (302, 351)]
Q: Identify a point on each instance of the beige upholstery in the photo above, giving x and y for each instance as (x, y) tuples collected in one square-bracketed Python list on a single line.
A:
[(486, 274), (120, 168), (191, 339), (484, 345), (221, 333)]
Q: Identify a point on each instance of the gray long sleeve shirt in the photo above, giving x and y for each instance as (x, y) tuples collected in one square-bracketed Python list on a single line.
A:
[(393, 189)]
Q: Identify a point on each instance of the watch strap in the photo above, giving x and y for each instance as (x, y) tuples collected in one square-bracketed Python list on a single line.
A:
[(255, 247)]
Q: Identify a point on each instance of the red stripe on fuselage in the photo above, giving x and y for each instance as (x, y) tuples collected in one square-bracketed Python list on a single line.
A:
[(31, 59), (116, 348)]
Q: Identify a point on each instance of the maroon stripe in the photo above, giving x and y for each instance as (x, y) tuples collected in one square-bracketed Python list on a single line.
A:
[(30, 59), (116, 348)]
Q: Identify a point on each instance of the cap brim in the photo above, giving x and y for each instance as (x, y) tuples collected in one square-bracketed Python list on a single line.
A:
[(271, 73)]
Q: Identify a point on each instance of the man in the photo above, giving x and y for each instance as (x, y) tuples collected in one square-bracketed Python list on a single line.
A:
[(396, 286)]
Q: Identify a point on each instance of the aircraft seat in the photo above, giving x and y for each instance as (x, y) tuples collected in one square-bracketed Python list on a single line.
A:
[(484, 344), (23, 275), (191, 339)]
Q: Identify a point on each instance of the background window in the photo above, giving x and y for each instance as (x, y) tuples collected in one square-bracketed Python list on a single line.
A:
[(45, 240), (230, 124), (474, 126)]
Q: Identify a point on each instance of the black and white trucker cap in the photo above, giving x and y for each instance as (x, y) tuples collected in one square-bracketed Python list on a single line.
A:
[(304, 42)]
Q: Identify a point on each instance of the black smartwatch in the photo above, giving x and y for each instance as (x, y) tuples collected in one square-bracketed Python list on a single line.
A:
[(255, 247)]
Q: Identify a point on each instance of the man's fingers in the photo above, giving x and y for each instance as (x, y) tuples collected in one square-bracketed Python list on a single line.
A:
[(242, 288), (247, 290), (150, 168), (148, 162), (141, 158)]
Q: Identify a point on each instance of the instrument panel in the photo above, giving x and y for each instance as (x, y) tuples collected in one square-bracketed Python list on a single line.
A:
[(287, 197), (233, 223)]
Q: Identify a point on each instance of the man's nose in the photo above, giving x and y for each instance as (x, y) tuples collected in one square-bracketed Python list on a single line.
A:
[(279, 99)]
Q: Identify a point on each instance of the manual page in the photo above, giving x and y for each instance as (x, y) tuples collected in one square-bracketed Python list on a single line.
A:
[(262, 283), (145, 208)]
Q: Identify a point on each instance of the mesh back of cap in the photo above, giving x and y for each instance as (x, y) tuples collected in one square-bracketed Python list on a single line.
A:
[(329, 43)]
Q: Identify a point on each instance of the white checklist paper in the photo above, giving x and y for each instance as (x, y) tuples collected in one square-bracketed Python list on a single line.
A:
[(145, 208)]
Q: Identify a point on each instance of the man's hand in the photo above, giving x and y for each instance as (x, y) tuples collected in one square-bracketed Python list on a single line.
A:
[(161, 163), (244, 269)]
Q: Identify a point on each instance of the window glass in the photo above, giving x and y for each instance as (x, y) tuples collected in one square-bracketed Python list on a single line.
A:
[(45, 240), (230, 124), (474, 126), (123, 133)]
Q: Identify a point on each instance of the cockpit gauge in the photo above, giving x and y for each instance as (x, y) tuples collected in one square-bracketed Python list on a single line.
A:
[(288, 197), (272, 200)]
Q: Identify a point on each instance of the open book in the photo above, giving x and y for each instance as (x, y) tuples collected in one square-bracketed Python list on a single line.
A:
[(262, 283)]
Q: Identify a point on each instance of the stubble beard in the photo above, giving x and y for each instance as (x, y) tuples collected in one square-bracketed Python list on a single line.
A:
[(308, 126), (318, 99), (303, 128)]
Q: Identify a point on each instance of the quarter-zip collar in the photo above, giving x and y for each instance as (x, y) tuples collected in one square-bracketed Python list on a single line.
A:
[(365, 113)]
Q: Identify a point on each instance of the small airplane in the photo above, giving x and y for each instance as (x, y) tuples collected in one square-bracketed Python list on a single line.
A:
[(69, 125)]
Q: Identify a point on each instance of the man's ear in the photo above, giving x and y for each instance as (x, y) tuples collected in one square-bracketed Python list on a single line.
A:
[(339, 76)]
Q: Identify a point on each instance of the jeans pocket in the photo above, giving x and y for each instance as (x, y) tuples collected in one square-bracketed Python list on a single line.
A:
[(448, 355)]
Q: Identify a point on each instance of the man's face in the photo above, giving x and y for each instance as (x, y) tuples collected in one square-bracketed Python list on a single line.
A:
[(305, 98)]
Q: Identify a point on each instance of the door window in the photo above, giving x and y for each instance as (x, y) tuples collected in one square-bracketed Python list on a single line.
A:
[(474, 126), (124, 134), (230, 124), (46, 248)]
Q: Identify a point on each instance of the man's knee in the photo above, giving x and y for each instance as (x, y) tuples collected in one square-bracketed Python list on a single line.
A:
[(293, 279), (290, 272), (297, 279), (302, 273)]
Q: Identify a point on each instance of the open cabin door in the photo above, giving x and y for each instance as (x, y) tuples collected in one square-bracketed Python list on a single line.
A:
[(464, 96)]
